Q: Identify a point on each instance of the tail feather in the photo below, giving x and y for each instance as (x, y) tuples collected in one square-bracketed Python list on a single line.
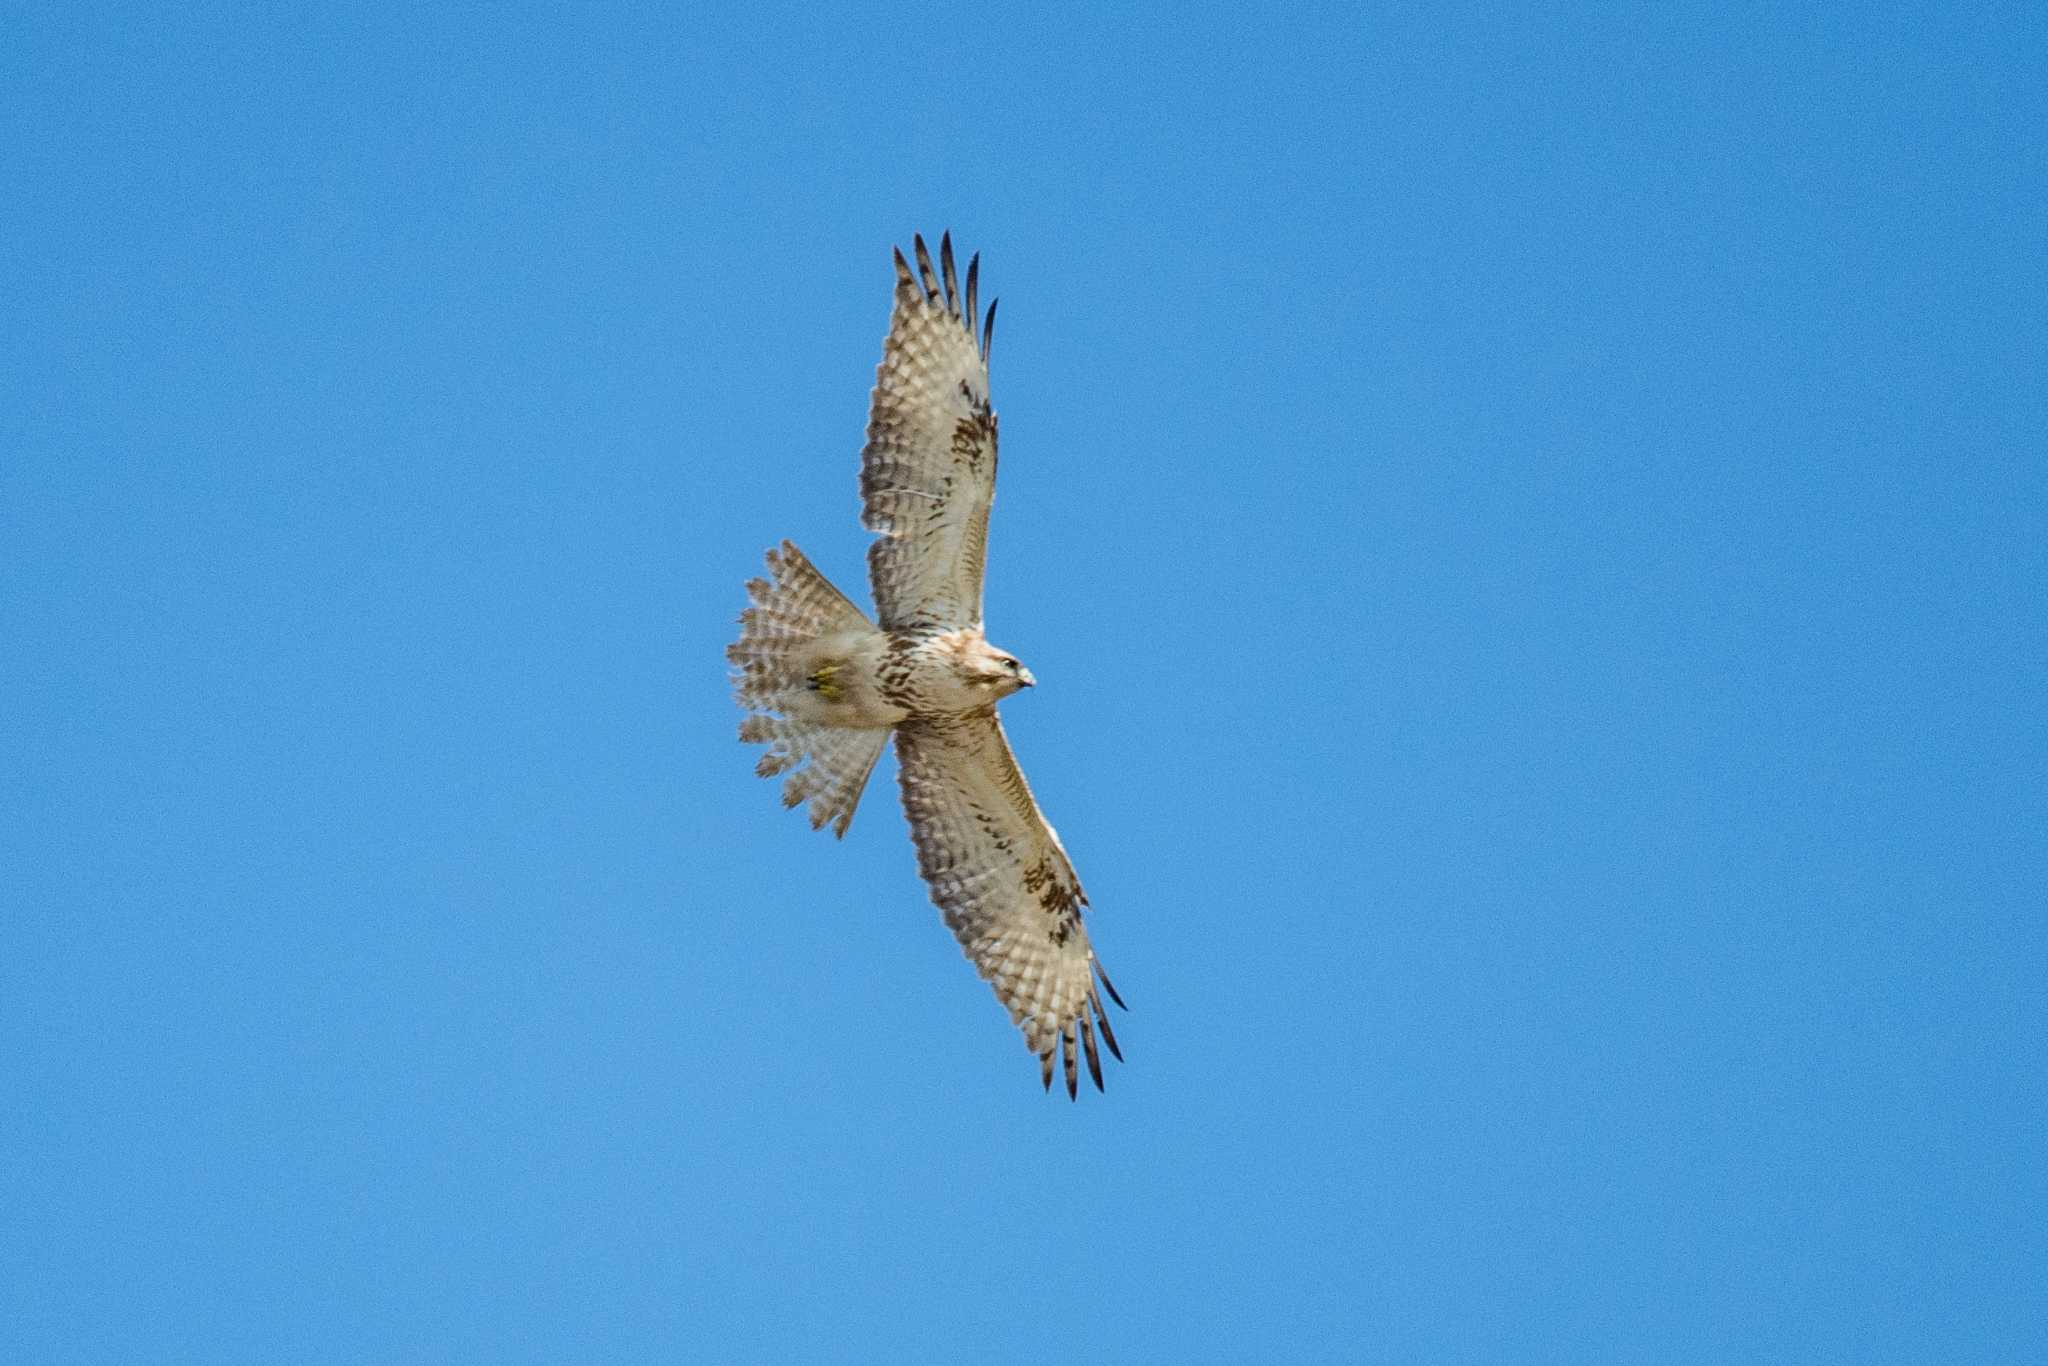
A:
[(788, 616), (832, 781), (788, 613)]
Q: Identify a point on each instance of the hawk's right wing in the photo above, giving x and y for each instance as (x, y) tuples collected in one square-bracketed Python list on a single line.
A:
[(928, 472)]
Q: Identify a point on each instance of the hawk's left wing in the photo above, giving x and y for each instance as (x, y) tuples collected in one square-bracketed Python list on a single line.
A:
[(928, 472), (997, 871)]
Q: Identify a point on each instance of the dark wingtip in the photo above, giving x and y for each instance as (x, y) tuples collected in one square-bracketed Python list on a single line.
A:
[(1088, 1049), (902, 267), (1109, 987), (946, 274), (924, 267), (988, 328), (1102, 1023)]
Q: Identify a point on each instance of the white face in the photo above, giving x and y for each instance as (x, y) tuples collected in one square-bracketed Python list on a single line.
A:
[(999, 671)]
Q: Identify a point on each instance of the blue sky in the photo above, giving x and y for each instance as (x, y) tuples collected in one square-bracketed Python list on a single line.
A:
[(1529, 528)]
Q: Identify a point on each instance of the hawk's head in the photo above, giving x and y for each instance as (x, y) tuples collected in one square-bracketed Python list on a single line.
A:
[(999, 673)]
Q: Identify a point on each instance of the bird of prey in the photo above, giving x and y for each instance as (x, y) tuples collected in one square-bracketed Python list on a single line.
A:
[(826, 687)]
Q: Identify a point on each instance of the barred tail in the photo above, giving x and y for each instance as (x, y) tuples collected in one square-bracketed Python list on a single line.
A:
[(775, 656)]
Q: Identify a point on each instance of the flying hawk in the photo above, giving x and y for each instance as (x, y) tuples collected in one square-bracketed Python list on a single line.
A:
[(826, 687)]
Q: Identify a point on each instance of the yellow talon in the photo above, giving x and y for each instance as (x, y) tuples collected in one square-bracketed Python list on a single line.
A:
[(825, 682)]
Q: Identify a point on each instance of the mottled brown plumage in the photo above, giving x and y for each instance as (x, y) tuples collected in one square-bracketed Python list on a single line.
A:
[(826, 687)]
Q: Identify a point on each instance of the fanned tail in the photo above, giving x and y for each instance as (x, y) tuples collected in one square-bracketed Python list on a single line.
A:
[(776, 656)]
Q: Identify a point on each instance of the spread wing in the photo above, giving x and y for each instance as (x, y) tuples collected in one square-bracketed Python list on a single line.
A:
[(997, 871), (928, 472)]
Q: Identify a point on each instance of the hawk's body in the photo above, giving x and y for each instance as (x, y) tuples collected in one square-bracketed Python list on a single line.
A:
[(828, 688)]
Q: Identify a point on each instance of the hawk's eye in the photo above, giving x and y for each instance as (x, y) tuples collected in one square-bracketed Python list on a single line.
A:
[(1010, 664)]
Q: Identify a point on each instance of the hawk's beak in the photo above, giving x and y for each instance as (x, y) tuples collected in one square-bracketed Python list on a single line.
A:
[(1024, 677)]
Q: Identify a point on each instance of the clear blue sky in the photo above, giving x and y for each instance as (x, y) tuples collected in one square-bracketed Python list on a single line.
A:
[(1530, 531)]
